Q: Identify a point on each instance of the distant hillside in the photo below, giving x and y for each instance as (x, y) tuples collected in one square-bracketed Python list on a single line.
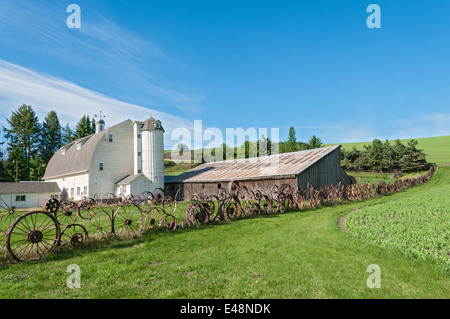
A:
[(436, 148)]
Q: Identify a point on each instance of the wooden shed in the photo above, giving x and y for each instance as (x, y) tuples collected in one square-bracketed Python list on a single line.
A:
[(319, 167)]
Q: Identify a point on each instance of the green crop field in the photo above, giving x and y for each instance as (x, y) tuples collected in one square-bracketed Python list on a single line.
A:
[(419, 226)]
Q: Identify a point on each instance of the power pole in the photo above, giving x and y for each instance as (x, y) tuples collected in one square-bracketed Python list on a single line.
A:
[(17, 171)]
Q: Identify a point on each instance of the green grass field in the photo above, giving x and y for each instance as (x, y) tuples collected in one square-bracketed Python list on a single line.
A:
[(436, 148), (294, 255)]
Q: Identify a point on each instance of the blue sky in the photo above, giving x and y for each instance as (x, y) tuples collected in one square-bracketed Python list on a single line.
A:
[(314, 65)]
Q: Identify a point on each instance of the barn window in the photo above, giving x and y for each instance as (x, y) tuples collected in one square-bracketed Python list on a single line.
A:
[(111, 138), (85, 190), (203, 185), (72, 191), (54, 197), (21, 198), (219, 186), (78, 191), (100, 166)]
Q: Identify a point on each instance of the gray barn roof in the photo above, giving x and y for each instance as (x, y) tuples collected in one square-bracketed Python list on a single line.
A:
[(29, 188), (265, 167), (69, 160)]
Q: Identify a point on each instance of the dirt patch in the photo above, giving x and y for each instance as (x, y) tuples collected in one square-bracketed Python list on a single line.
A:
[(341, 223), (341, 220), (187, 273), (154, 264)]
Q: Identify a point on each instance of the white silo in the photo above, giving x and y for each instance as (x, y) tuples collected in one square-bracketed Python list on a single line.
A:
[(153, 151)]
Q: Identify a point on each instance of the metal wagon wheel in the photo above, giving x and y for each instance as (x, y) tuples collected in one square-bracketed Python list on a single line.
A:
[(9, 215), (87, 208), (127, 220), (266, 206), (67, 213), (73, 235), (100, 223), (169, 222), (51, 205), (32, 235), (153, 217)]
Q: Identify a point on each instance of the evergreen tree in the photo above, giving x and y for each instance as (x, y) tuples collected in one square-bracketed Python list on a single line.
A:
[(417, 158), (387, 161), (374, 155), (399, 154), (67, 135), (3, 177), (84, 127), (51, 139), (23, 138), (314, 142)]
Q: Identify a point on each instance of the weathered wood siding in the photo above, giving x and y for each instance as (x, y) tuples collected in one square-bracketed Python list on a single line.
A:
[(326, 171)]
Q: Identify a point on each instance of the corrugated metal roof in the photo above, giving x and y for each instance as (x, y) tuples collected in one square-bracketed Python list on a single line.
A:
[(29, 188), (265, 167)]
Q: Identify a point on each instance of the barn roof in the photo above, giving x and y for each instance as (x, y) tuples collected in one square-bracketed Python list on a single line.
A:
[(70, 160), (129, 179), (29, 188), (264, 167)]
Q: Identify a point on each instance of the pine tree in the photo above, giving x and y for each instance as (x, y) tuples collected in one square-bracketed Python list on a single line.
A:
[(387, 161), (314, 142), (51, 139), (23, 139), (67, 135), (416, 156)]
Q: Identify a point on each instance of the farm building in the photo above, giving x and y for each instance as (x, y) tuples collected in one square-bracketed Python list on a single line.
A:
[(319, 167), (127, 158), (27, 194)]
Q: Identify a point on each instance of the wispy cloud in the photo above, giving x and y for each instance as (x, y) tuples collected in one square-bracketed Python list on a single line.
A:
[(129, 63), (19, 85)]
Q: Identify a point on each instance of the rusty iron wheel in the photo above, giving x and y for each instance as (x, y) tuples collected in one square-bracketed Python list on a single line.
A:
[(32, 235), (87, 208), (152, 217), (100, 223), (67, 213), (127, 220), (51, 205), (73, 235)]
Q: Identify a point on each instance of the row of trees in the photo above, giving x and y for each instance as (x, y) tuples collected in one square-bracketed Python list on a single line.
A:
[(30, 144), (386, 157), (250, 149)]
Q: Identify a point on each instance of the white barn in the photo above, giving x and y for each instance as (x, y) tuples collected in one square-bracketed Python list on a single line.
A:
[(126, 158)]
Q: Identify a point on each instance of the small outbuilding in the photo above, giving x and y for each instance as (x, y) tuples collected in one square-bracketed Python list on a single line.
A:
[(320, 167), (27, 194)]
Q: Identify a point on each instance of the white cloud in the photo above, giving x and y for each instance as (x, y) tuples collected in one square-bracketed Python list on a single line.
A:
[(44, 93)]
